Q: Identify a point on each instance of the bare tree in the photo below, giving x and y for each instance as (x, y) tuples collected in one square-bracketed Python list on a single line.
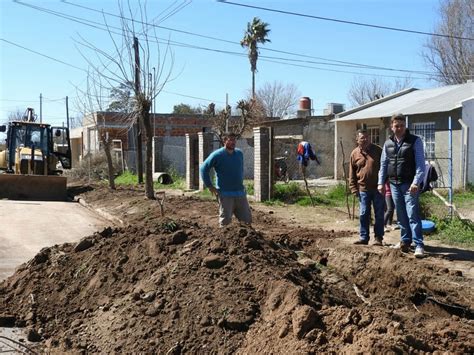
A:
[(122, 98), (16, 115), (90, 103), (452, 58), (75, 121), (278, 99), (251, 114), (136, 53), (364, 90)]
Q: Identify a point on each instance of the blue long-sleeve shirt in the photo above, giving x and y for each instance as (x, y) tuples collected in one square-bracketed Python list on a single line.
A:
[(229, 170), (419, 162)]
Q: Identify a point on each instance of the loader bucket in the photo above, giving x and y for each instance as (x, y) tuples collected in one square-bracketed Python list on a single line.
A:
[(33, 187)]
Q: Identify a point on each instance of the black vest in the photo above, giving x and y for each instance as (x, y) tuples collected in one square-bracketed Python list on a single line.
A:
[(401, 166)]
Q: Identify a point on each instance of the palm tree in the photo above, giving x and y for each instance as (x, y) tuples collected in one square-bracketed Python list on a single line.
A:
[(257, 32)]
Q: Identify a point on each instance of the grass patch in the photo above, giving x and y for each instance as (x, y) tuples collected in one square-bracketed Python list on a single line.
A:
[(127, 179), (179, 182), (454, 231), (451, 231), (288, 193), (130, 179), (294, 193), (206, 194)]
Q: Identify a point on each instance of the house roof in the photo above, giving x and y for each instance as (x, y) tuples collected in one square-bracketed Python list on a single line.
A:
[(412, 101)]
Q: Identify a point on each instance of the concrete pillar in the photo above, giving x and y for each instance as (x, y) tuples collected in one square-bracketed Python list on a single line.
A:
[(157, 161), (205, 143), (261, 164), (192, 162)]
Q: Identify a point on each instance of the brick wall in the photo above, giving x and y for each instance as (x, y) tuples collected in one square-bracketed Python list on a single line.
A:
[(261, 169)]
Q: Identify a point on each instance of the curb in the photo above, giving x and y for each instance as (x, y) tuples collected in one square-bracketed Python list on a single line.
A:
[(99, 211)]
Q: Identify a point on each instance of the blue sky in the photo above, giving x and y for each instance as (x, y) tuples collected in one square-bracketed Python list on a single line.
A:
[(205, 74)]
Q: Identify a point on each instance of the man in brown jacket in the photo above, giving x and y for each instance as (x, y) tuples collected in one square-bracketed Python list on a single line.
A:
[(363, 175)]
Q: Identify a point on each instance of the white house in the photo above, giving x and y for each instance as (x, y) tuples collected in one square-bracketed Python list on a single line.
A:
[(427, 112)]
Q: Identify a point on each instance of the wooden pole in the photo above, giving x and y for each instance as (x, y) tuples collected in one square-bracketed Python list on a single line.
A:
[(138, 123), (303, 172), (345, 179)]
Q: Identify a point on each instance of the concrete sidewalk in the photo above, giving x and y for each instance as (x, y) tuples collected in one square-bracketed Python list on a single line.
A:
[(28, 226)]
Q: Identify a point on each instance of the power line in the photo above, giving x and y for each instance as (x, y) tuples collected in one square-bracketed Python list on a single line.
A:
[(344, 21), (41, 54), (238, 43), (264, 58), (174, 43), (268, 59), (192, 97)]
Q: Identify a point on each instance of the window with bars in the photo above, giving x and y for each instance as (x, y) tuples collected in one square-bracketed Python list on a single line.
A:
[(374, 135), (426, 131)]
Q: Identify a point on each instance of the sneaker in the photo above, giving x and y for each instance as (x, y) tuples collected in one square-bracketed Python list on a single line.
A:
[(378, 242), (361, 242), (405, 248), (419, 252)]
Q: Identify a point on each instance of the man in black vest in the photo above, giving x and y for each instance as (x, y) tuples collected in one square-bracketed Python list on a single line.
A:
[(403, 164)]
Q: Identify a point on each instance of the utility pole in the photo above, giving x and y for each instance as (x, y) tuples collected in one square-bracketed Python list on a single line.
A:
[(138, 123), (41, 108), (67, 112), (227, 117), (153, 99), (150, 90)]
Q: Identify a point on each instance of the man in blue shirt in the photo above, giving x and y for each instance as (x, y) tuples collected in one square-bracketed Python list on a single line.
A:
[(228, 163), (403, 164)]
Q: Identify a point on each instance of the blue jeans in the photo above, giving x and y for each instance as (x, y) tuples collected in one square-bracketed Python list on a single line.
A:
[(366, 199), (408, 216)]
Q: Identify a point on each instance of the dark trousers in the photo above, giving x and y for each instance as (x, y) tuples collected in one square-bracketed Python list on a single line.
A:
[(389, 208)]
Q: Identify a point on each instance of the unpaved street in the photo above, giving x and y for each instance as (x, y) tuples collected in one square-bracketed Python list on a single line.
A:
[(28, 226)]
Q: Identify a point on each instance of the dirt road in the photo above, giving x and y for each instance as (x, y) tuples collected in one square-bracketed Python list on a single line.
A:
[(29, 226)]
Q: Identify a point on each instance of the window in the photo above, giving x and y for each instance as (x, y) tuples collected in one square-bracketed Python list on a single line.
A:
[(374, 135), (426, 131)]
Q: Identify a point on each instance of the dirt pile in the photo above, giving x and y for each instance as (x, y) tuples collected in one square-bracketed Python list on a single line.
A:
[(178, 284)]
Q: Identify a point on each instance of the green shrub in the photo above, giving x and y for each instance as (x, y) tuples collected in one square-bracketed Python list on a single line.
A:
[(249, 187), (454, 231), (288, 193), (179, 182), (337, 193), (127, 179), (450, 231)]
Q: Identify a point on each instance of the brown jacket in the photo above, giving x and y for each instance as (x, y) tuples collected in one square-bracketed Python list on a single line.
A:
[(364, 168)]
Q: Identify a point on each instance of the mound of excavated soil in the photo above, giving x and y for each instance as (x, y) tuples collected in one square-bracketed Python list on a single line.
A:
[(178, 284)]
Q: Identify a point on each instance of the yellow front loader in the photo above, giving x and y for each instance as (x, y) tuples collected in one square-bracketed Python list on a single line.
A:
[(30, 166)]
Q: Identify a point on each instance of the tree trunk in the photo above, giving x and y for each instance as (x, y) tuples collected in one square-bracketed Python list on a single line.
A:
[(253, 84), (149, 190), (110, 164)]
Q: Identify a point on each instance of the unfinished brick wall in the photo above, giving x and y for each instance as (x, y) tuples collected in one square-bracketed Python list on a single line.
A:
[(261, 169)]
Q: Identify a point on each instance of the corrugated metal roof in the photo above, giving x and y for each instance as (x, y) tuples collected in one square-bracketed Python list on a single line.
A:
[(443, 99)]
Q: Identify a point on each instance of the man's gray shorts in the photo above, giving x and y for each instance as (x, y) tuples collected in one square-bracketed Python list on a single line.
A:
[(234, 205)]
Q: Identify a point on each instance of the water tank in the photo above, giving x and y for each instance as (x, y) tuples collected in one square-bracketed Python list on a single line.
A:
[(305, 103)]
